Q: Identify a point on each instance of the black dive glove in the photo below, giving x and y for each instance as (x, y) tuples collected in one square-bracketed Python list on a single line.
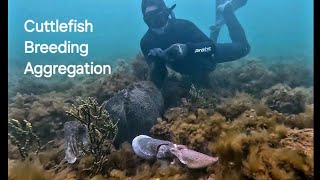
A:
[(174, 52), (157, 54)]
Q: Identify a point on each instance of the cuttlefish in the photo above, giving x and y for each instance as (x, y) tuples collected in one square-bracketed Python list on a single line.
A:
[(149, 148)]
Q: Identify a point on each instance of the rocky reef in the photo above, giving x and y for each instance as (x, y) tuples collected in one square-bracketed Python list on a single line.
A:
[(253, 75), (244, 145), (233, 107), (257, 117), (45, 111), (284, 99)]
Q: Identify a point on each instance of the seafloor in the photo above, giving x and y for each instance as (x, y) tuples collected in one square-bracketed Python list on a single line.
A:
[(257, 117)]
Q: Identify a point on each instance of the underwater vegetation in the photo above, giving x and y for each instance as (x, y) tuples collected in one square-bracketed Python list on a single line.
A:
[(243, 146), (292, 71), (19, 170), (100, 132), (200, 98), (253, 75), (301, 120), (22, 136), (233, 107), (257, 117), (22, 85), (46, 112), (284, 99), (250, 76), (140, 67)]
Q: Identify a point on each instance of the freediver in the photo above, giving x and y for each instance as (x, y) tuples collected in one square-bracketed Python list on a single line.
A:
[(183, 47)]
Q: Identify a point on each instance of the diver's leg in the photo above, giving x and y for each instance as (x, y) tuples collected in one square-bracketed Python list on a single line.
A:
[(238, 3), (215, 29), (214, 34), (202, 79), (239, 47), (226, 52), (236, 31)]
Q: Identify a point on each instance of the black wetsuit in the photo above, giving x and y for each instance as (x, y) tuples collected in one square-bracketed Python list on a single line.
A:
[(198, 62)]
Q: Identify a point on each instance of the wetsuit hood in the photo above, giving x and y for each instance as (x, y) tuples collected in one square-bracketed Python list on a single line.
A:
[(158, 3)]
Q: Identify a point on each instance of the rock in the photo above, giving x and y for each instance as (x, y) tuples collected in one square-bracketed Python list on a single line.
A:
[(136, 108), (284, 99)]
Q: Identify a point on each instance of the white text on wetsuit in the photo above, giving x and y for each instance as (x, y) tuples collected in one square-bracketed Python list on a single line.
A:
[(205, 49)]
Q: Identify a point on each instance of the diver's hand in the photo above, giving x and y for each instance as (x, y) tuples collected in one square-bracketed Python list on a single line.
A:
[(177, 51), (157, 54)]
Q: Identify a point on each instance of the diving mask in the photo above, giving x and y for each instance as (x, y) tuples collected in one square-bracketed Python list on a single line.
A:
[(158, 18)]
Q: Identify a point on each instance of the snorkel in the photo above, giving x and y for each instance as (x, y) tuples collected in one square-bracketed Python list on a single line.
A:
[(173, 16)]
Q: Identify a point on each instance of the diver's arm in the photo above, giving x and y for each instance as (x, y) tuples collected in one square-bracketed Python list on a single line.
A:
[(200, 44), (197, 43), (158, 73), (158, 68)]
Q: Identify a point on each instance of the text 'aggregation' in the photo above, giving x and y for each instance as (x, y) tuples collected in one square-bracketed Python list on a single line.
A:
[(65, 47)]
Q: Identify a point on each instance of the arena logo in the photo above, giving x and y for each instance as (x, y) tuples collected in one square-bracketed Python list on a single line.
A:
[(205, 49)]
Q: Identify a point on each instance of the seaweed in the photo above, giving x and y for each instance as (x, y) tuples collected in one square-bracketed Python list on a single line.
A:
[(31, 85), (46, 112), (294, 71), (250, 76), (233, 107), (124, 164), (26, 170), (21, 134), (252, 148), (140, 67), (253, 75), (301, 120), (306, 92), (256, 127), (194, 130), (195, 94), (284, 99), (101, 131), (243, 145), (299, 139), (198, 99)]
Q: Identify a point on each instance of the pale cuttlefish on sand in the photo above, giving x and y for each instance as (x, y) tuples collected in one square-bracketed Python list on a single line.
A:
[(149, 148)]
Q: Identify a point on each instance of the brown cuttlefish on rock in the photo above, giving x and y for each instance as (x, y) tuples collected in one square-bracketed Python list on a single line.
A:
[(149, 148)]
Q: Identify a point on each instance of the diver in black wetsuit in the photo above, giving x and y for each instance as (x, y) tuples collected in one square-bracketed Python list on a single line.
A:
[(180, 45)]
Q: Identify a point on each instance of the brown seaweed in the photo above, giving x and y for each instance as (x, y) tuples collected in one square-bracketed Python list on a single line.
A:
[(264, 140)]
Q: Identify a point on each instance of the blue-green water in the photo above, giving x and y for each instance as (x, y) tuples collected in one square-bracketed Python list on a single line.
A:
[(262, 107), (273, 27)]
